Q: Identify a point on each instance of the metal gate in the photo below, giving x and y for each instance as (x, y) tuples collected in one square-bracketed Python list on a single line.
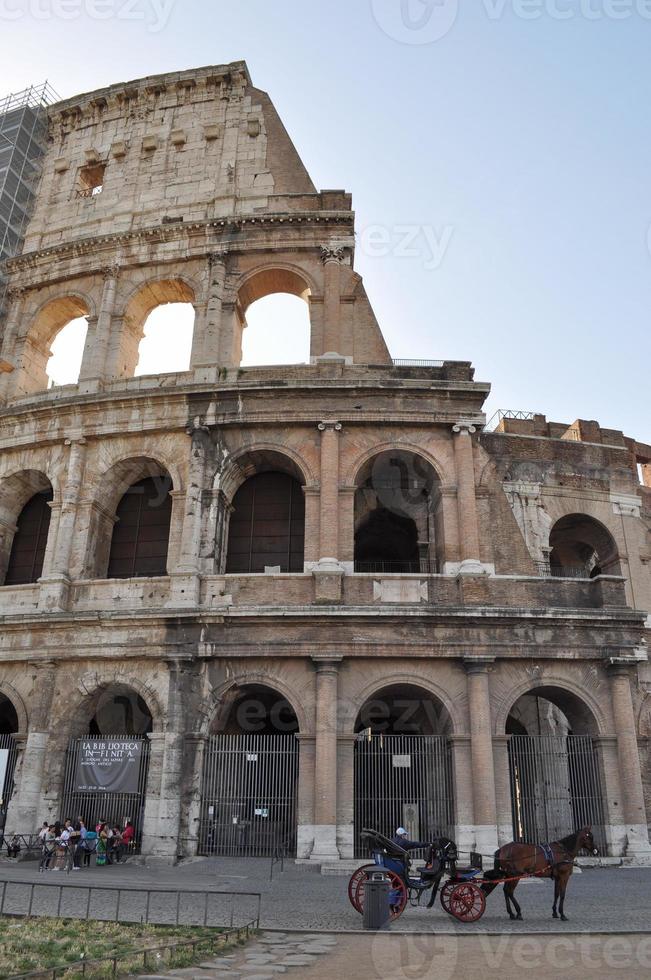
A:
[(248, 795), (555, 787), (403, 780), (113, 808), (8, 754)]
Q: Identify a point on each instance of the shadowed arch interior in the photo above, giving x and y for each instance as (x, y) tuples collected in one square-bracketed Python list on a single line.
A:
[(27, 553), (140, 539), (8, 717), (582, 545), (267, 525)]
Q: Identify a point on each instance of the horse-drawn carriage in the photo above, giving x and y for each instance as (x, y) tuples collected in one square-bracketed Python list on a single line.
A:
[(464, 893)]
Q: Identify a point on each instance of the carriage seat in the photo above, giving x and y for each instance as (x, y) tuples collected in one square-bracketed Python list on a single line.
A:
[(468, 873)]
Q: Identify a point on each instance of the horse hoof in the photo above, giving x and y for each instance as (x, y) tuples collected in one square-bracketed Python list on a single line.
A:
[(554, 915), (563, 918), (511, 917), (519, 917)]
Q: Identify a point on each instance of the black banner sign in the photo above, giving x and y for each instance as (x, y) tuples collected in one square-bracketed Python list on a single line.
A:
[(108, 765)]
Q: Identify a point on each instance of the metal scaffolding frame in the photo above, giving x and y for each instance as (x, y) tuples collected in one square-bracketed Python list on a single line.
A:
[(23, 141)]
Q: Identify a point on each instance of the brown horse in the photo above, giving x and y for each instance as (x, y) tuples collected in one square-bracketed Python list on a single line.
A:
[(555, 860)]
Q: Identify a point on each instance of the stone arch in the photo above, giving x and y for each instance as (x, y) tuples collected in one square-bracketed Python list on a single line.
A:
[(356, 466), (90, 689), (351, 707), (142, 301), (224, 696), (558, 686), (8, 691), (261, 457), (263, 282), (16, 491), (398, 513), (105, 494), (581, 543), (45, 324)]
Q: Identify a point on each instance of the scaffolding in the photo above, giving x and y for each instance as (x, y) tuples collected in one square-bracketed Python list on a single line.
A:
[(23, 141)]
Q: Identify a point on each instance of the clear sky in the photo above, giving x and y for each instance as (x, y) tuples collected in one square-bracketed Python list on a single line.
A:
[(498, 153)]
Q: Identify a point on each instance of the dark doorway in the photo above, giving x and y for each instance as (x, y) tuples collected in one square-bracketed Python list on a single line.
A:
[(30, 541), (387, 542), (141, 534), (267, 526)]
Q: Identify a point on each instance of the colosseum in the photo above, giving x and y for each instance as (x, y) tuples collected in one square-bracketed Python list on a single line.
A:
[(259, 608)]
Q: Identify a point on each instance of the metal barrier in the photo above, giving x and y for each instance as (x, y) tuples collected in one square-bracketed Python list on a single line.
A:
[(220, 939), (421, 566), (148, 902), (547, 570)]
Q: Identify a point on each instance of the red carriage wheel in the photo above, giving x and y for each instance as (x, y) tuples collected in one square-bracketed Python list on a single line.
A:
[(446, 891), (355, 878), (397, 894), (467, 902)]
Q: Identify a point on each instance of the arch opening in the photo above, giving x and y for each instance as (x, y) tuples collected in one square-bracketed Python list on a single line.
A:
[(555, 767), (9, 726), (398, 515), (107, 764), (250, 775), (403, 765), (140, 539), (8, 716), (54, 346), (66, 353), (276, 331), (166, 343), (24, 560), (267, 524), (581, 547)]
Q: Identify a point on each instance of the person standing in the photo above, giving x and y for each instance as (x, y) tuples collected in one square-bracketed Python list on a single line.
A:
[(126, 840)]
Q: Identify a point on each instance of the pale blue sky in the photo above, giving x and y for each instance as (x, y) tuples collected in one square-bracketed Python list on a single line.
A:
[(520, 147)]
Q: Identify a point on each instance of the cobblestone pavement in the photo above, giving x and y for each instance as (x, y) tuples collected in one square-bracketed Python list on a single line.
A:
[(300, 898)]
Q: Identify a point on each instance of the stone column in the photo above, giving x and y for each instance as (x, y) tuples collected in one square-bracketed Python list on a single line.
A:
[(466, 501), (325, 788), (328, 572), (332, 257), (15, 298), (185, 578), (195, 745), (464, 833), (630, 774), (504, 812), (27, 809), (346, 795), (481, 750), (305, 802), (54, 592), (94, 361), (208, 352)]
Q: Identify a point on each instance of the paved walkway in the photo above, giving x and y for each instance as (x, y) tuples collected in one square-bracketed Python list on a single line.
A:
[(300, 898), (409, 957)]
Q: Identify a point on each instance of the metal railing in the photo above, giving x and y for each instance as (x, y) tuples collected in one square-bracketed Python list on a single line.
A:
[(547, 570), (221, 939), (14, 902), (402, 362), (508, 413), (422, 566)]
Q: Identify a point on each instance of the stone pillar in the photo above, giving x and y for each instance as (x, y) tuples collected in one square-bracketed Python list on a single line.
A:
[(630, 774), (481, 751), (185, 578), (305, 802), (195, 745), (27, 809), (15, 297), (54, 592), (466, 501), (347, 527), (208, 349), (329, 503), (464, 833), (332, 257), (346, 796), (325, 787), (94, 361), (504, 811)]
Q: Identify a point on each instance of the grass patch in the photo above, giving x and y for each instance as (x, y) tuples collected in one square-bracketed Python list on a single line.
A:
[(28, 945)]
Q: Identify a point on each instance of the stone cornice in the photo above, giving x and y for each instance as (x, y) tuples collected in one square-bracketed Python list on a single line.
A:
[(181, 232)]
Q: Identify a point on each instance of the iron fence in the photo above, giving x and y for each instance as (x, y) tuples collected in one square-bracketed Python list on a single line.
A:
[(555, 787), (8, 756), (407, 362), (403, 780), (102, 805), (547, 570), (112, 903), (248, 795), (421, 566)]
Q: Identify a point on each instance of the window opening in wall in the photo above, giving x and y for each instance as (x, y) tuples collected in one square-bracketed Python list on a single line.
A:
[(67, 351), (91, 180), (277, 331), (141, 533), (30, 540), (167, 340)]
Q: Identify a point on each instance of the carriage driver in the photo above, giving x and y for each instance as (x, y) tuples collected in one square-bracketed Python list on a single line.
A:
[(401, 838)]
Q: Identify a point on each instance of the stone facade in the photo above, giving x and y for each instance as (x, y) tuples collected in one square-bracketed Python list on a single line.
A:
[(205, 200)]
